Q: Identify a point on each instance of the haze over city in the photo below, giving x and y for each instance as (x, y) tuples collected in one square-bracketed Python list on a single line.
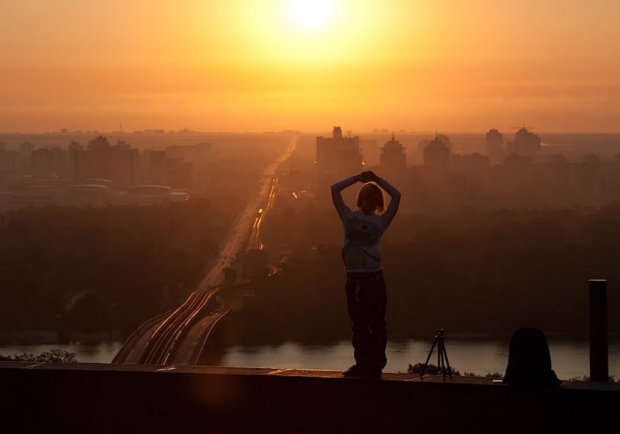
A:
[(268, 65), (222, 209)]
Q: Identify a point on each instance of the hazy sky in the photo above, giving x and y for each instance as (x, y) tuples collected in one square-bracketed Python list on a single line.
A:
[(255, 65)]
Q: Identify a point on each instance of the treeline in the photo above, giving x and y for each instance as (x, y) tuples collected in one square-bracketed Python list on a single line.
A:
[(468, 272), (52, 356), (101, 269)]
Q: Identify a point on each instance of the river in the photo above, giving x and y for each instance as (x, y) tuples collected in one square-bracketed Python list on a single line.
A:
[(479, 356), (570, 359)]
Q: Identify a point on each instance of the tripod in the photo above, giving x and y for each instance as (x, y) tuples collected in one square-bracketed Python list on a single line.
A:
[(442, 356)]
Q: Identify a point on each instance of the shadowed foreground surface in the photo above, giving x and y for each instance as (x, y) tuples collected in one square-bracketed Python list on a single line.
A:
[(97, 398)]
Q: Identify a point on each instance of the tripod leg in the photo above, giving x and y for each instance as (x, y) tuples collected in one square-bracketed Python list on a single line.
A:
[(430, 353), (442, 363), (445, 354)]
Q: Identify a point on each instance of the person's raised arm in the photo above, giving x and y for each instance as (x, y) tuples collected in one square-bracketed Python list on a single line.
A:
[(342, 207), (388, 216)]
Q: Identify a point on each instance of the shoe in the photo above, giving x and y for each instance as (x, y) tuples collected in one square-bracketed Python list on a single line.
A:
[(374, 374), (356, 371)]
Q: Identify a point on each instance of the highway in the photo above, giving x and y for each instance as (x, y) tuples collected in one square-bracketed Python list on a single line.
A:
[(178, 337), (236, 241)]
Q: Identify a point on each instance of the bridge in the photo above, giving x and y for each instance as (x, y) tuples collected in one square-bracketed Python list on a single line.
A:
[(179, 336)]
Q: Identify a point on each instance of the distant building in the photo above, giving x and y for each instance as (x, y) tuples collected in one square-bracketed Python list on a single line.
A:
[(36, 195), (176, 166), (25, 150), (437, 153), (516, 164), (119, 163), (469, 164), (495, 146), (75, 146), (72, 150), (88, 194), (179, 174), (338, 155), (189, 153), (10, 169), (99, 142), (50, 163), (154, 167), (526, 143), (98, 181), (151, 195), (393, 156), (9, 161), (370, 151)]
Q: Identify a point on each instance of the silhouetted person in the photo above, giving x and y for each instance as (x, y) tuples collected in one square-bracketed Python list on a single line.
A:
[(365, 287)]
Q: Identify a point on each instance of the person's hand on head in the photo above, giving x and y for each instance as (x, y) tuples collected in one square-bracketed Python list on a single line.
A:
[(368, 176), (372, 176), (362, 177)]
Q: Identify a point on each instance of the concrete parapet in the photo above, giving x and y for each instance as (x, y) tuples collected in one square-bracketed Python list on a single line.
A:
[(94, 398)]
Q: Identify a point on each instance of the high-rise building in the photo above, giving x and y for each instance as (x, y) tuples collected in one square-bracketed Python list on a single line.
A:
[(393, 156), (50, 163), (437, 153), (75, 146), (98, 143), (526, 143), (338, 155), (119, 163), (73, 150), (495, 146), (154, 165)]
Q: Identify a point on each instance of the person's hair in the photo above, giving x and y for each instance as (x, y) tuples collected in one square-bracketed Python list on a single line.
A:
[(371, 187)]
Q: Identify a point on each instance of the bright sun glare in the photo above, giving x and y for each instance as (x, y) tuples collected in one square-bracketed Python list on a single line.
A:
[(312, 14)]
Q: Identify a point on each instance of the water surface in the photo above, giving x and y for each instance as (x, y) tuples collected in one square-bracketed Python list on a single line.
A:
[(570, 359)]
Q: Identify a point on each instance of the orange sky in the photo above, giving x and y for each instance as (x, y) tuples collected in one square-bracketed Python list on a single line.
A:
[(255, 65)]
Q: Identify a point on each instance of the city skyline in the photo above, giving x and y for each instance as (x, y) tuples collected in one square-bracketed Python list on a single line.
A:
[(283, 64)]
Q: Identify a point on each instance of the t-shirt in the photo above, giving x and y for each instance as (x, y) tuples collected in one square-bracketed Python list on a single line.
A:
[(363, 232)]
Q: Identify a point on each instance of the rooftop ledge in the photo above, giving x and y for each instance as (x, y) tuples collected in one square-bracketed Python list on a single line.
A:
[(140, 398)]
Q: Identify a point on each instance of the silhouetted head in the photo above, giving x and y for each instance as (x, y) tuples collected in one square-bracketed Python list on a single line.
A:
[(370, 199)]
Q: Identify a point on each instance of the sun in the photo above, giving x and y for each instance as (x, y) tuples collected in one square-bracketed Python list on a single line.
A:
[(311, 14)]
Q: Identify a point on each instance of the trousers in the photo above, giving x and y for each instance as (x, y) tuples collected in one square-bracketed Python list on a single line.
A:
[(367, 304)]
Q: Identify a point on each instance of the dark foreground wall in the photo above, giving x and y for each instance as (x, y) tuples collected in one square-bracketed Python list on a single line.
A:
[(134, 399)]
